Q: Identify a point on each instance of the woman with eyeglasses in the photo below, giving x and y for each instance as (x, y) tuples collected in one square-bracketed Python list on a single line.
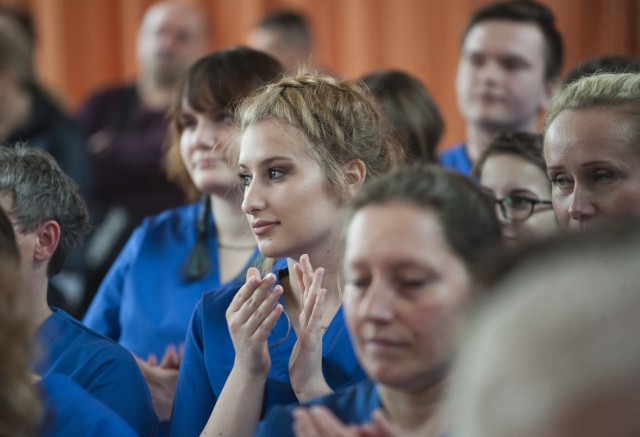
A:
[(513, 170)]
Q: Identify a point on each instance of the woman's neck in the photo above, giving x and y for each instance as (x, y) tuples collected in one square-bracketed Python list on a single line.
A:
[(414, 412)]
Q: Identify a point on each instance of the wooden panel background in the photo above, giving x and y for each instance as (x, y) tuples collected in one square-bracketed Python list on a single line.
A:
[(87, 43)]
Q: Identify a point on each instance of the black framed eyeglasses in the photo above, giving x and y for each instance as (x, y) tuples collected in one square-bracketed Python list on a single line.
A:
[(518, 208)]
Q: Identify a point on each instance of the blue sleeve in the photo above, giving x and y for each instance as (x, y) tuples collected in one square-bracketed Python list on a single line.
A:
[(277, 422), (194, 399), (103, 315), (69, 410), (117, 381)]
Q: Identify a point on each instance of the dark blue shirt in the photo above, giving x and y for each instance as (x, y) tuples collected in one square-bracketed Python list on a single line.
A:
[(71, 411), (209, 355), (100, 366)]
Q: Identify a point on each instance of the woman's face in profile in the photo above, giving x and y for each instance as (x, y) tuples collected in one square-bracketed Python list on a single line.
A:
[(512, 176), (285, 196), (594, 166), (404, 290)]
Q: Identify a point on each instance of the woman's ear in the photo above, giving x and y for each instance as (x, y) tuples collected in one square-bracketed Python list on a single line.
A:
[(356, 173)]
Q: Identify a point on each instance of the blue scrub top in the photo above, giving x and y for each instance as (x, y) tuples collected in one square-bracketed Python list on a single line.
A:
[(209, 355), (100, 366), (71, 411), (144, 303), (457, 159), (352, 405)]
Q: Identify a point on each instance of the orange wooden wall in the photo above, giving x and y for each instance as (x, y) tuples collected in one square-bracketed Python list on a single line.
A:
[(86, 43)]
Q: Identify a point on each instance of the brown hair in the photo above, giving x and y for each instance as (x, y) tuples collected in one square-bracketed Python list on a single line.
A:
[(525, 145), (20, 407), (219, 80), (466, 214), (411, 110)]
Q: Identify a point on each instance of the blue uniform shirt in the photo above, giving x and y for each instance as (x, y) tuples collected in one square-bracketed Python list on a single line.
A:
[(209, 355), (71, 411), (456, 159), (98, 365), (144, 303), (352, 405)]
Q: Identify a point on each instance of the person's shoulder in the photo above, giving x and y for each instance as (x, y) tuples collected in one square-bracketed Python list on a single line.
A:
[(456, 158), (85, 337), (363, 393), (179, 219), (353, 404), (71, 409)]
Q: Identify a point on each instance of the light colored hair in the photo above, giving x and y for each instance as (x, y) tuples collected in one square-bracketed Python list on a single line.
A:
[(20, 408), (557, 336), (619, 91), (339, 119)]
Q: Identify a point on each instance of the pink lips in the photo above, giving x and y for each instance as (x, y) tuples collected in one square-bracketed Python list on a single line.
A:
[(262, 227)]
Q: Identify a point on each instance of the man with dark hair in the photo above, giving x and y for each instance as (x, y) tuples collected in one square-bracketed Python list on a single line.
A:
[(510, 62), (286, 35), (49, 218)]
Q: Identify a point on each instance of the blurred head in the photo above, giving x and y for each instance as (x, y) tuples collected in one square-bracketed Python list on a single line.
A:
[(285, 35), (554, 352), (510, 61), (410, 239), (411, 111), (315, 137), (35, 191), (592, 150), (18, 397), (202, 114), (603, 64), (512, 168), (15, 55), (173, 34)]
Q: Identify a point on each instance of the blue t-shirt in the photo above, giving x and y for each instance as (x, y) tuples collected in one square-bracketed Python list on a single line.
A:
[(209, 356), (100, 366), (352, 405), (71, 411), (144, 303), (456, 159)]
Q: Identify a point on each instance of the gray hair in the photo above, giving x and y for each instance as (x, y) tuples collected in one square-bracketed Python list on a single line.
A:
[(41, 191)]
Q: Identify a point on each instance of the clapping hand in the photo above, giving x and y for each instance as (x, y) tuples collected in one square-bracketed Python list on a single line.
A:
[(162, 379), (305, 364), (251, 316)]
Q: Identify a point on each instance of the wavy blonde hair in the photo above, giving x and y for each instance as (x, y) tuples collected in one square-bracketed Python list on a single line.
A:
[(339, 119)]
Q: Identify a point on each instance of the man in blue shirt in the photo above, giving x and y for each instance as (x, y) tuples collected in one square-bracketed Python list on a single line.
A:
[(509, 66), (49, 218)]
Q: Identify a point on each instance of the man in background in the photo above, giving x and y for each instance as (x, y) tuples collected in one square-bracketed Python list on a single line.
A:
[(287, 36), (510, 63)]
